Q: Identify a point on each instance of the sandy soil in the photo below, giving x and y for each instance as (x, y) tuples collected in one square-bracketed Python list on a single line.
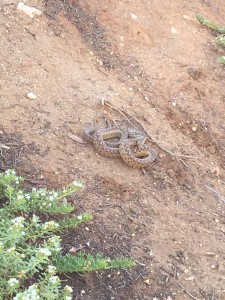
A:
[(153, 60)]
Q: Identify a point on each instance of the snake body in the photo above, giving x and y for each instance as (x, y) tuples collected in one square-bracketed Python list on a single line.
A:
[(102, 145), (130, 147), (141, 158), (101, 136)]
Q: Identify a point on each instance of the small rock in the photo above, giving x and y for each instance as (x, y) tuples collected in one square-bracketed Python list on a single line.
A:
[(161, 155), (173, 30), (133, 16), (194, 128), (31, 96), (28, 10), (186, 17), (191, 278), (215, 266), (210, 253), (147, 281)]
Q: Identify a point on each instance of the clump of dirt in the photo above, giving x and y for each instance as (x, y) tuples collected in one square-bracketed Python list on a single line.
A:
[(15, 155)]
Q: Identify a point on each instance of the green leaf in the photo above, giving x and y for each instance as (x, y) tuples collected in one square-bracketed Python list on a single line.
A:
[(205, 22), (87, 263), (221, 60), (74, 221)]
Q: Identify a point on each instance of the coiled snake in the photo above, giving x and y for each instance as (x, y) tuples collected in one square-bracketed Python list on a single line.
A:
[(131, 146)]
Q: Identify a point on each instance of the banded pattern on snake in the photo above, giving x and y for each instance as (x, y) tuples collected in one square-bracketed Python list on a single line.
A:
[(130, 147)]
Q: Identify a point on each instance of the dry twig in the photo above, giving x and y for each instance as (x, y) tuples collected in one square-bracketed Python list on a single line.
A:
[(188, 293), (215, 192)]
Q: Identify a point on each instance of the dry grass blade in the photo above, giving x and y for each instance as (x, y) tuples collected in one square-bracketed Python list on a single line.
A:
[(75, 138), (215, 192), (4, 146), (188, 293)]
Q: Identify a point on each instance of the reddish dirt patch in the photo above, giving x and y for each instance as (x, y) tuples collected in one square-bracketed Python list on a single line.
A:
[(155, 61)]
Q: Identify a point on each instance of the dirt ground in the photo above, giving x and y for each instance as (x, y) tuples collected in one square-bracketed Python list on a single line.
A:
[(154, 61)]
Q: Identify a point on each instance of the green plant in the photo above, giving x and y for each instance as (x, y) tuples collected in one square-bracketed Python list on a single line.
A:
[(222, 60), (220, 30), (209, 24), (30, 249), (220, 39)]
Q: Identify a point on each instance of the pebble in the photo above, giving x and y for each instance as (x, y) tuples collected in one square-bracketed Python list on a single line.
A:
[(31, 96), (191, 278), (133, 16), (173, 30), (187, 17), (28, 10)]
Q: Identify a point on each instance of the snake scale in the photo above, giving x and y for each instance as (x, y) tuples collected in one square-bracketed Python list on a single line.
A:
[(131, 146)]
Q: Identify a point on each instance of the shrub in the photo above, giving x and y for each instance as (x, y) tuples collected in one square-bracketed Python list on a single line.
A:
[(30, 248)]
